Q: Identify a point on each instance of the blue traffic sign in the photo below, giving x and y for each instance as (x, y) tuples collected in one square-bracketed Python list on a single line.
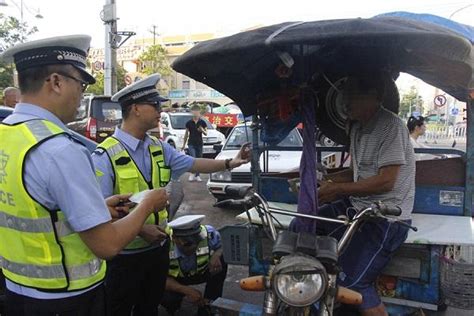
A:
[(454, 111)]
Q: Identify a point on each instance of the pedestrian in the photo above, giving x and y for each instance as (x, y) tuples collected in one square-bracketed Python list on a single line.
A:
[(56, 228), (417, 127), (132, 161), (196, 258), (11, 96), (195, 128)]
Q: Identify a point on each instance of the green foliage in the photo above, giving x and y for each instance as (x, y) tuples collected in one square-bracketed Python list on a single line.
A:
[(411, 102), (11, 33), (155, 60), (98, 87)]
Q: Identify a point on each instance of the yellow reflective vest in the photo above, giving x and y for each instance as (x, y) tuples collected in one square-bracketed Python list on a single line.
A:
[(129, 179), (203, 257), (38, 247)]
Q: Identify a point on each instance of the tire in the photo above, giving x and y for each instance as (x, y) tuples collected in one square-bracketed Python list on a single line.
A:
[(331, 116)]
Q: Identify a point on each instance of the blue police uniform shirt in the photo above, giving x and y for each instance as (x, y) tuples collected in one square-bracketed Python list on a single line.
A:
[(138, 150), (189, 263), (59, 174)]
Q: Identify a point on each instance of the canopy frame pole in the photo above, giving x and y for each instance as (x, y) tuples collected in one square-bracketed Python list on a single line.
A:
[(469, 185), (255, 162)]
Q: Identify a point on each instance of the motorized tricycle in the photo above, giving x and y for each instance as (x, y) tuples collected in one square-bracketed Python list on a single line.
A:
[(302, 275), (294, 72)]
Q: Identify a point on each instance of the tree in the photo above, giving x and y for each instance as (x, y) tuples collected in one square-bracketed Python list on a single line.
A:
[(98, 87), (11, 33), (411, 102), (155, 60)]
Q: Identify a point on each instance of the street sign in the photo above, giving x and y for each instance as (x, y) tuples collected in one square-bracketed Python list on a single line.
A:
[(128, 79), (454, 111), (440, 100), (98, 65)]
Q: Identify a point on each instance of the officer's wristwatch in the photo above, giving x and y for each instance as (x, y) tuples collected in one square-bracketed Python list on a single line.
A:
[(227, 164)]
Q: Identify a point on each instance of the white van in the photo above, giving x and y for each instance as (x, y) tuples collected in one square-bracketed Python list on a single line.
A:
[(174, 127)]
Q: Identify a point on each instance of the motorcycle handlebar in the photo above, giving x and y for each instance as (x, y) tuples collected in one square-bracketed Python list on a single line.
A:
[(389, 210)]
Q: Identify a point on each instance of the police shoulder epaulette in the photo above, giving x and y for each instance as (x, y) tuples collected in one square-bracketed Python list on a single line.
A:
[(99, 151), (74, 139)]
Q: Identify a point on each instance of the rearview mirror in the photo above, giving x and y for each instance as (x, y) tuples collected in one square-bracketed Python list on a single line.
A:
[(217, 148)]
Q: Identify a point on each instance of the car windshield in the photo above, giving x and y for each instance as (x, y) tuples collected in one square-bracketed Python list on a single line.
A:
[(106, 110), (179, 121), (81, 110), (243, 134)]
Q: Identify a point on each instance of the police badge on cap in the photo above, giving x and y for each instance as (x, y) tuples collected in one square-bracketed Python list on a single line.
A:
[(62, 50)]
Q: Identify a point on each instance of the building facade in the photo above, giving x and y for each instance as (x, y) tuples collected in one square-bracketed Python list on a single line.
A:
[(181, 89)]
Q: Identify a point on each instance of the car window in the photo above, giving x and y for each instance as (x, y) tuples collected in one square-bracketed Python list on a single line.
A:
[(164, 121), (4, 112), (81, 111), (106, 110), (179, 121), (243, 134)]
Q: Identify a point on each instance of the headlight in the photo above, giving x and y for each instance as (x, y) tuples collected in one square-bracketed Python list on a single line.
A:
[(299, 280), (221, 176)]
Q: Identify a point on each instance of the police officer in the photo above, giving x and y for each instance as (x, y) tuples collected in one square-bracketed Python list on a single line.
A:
[(133, 161), (55, 227), (196, 258)]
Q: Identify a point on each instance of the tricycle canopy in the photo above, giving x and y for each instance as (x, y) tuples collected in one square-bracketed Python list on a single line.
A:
[(243, 66)]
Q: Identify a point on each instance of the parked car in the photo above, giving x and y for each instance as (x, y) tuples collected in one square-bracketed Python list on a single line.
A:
[(97, 117), (174, 127), (278, 161), (90, 145)]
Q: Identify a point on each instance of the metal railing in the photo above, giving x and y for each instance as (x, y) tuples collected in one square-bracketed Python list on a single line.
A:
[(443, 133)]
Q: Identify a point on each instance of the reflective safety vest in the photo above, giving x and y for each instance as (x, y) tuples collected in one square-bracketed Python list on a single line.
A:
[(129, 179), (38, 247), (203, 256)]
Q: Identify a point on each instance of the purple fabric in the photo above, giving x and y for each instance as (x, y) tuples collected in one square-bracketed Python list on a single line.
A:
[(307, 199)]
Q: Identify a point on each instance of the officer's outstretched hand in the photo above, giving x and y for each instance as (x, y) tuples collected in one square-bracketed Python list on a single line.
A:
[(243, 156), (117, 205), (158, 198)]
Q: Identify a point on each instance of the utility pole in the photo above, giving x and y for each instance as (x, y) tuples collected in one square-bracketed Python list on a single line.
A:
[(110, 66), (154, 34)]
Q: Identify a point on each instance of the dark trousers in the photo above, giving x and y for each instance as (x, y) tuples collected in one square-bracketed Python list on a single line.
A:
[(136, 282), (196, 152), (367, 254), (91, 303), (214, 286)]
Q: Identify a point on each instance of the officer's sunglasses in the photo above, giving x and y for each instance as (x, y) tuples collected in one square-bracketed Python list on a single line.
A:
[(156, 105), (84, 84)]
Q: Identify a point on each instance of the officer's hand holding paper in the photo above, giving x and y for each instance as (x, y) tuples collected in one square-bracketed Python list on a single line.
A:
[(116, 205), (158, 198)]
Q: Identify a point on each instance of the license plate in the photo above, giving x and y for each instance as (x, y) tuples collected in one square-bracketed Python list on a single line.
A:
[(208, 150)]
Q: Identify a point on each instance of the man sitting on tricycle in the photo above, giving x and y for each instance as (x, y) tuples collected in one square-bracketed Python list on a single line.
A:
[(382, 169)]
